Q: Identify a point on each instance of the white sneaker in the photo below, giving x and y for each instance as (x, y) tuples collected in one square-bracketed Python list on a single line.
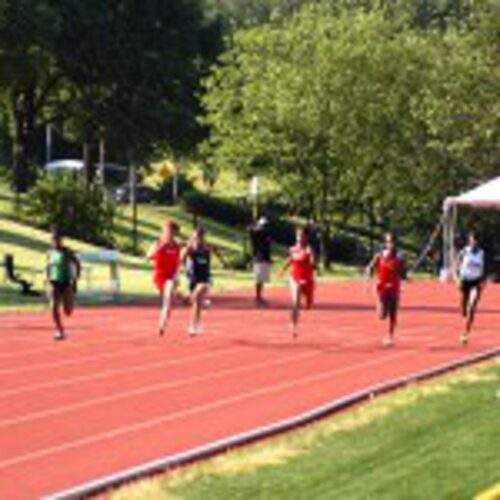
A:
[(194, 330), (207, 303), (58, 335), (388, 342)]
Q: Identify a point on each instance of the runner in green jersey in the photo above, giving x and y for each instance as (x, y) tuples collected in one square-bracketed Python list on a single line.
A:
[(63, 271)]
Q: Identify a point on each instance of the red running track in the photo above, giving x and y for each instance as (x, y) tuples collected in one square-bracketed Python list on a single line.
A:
[(115, 395)]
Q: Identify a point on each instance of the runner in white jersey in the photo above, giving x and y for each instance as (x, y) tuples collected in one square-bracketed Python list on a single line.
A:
[(470, 271)]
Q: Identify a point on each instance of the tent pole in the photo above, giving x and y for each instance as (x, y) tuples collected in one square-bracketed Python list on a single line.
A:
[(453, 226), (445, 267)]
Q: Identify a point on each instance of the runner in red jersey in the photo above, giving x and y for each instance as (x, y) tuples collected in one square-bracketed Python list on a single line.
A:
[(302, 262), (166, 257), (390, 269)]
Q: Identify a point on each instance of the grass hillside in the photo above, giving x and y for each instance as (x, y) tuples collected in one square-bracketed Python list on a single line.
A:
[(30, 245)]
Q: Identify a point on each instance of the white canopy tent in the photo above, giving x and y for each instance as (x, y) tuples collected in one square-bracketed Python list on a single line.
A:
[(485, 196)]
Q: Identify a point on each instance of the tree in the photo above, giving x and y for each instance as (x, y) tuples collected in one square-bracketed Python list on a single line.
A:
[(344, 106), (27, 77), (133, 70)]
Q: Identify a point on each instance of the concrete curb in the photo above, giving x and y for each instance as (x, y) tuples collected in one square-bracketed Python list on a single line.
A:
[(221, 446)]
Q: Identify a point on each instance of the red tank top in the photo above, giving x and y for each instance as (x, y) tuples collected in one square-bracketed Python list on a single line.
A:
[(302, 263), (389, 268), (167, 260)]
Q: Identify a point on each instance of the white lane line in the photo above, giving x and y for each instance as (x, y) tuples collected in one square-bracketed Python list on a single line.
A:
[(80, 360), (283, 340), (280, 336), (153, 388), (78, 341), (121, 431), (119, 371), (162, 386)]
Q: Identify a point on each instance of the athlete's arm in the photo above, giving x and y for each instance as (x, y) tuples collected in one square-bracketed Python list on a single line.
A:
[(313, 257), (76, 261), (216, 251), (483, 269), (456, 265), (152, 250), (371, 266), (284, 267), (48, 266), (186, 251)]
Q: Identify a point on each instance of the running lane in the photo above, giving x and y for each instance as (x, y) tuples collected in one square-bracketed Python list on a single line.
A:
[(115, 395)]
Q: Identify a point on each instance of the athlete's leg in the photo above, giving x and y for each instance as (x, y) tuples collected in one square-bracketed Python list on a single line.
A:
[(474, 296), (166, 306), (68, 298), (198, 296), (259, 288), (382, 306), (308, 290), (295, 289), (393, 306), (464, 296), (389, 305), (261, 272), (55, 304)]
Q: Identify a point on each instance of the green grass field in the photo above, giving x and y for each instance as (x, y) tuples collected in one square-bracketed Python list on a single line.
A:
[(438, 440)]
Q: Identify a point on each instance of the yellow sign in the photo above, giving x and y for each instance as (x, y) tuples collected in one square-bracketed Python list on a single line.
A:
[(492, 493)]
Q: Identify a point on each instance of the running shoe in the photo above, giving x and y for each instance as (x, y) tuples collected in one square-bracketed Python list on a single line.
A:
[(464, 338), (195, 330), (58, 335), (388, 342)]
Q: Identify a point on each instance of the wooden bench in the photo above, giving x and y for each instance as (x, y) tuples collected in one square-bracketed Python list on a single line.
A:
[(109, 257)]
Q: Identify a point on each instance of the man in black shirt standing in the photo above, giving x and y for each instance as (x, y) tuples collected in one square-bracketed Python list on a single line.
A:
[(261, 253)]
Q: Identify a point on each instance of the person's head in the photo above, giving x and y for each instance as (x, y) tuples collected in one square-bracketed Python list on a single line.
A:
[(301, 236), (390, 242), (472, 241), (199, 236), (57, 239), (170, 230)]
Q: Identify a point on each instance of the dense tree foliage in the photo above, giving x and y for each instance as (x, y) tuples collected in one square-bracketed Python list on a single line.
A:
[(348, 107), (126, 71)]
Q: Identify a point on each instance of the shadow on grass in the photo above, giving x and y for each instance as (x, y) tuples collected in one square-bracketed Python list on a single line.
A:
[(30, 243)]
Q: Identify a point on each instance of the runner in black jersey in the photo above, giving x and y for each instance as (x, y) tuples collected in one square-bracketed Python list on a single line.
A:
[(197, 258)]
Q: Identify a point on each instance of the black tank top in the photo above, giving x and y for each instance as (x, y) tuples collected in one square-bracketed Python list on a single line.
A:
[(199, 265)]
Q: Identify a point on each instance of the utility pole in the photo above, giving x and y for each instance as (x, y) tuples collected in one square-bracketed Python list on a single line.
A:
[(133, 205), (48, 143)]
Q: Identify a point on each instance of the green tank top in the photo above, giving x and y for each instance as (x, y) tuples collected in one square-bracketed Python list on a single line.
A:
[(59, 266)]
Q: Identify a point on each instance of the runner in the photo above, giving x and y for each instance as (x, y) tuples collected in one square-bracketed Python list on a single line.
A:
[(302, 284), (390, 269), (63, 271), (165, 254), (470, 273), (197, 257), (261, 253)]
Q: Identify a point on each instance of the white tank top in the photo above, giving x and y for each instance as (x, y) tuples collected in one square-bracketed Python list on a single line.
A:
[(471, 264)]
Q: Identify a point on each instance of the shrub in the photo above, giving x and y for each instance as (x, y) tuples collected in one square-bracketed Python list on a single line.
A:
[(78, 210), (164, 194), (347, 249), (232, 213)]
